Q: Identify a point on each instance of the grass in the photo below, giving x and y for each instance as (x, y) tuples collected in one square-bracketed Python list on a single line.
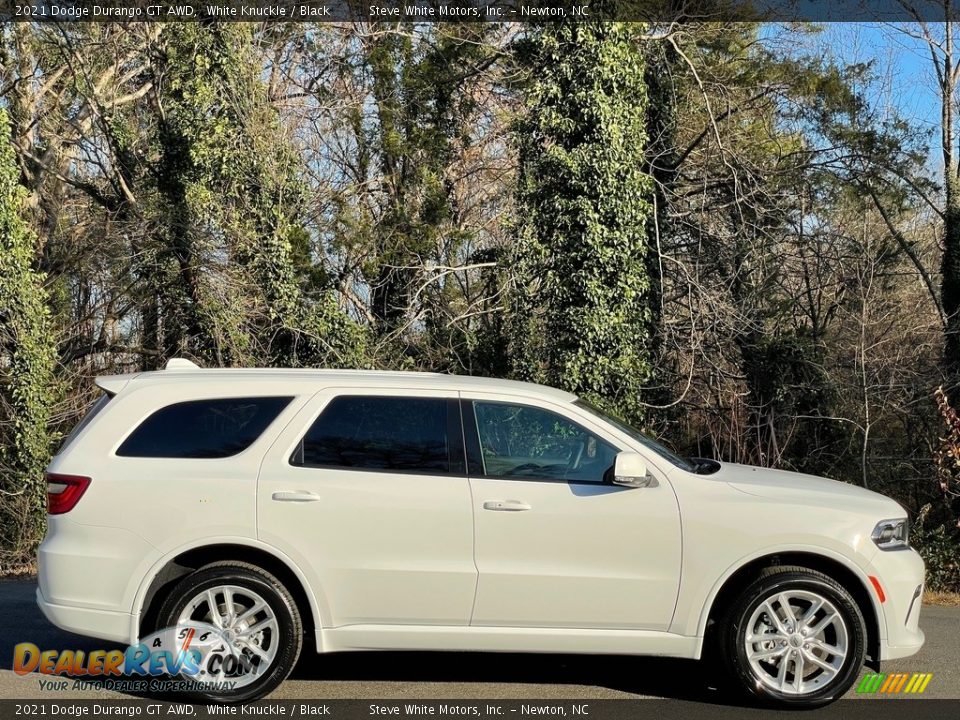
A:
[(944, 599), (19, 570)]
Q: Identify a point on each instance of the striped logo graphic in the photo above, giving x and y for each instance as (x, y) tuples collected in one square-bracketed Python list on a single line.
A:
[(892, 683)]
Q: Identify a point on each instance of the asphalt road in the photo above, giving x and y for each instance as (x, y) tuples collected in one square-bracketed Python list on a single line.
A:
[(464, 675)]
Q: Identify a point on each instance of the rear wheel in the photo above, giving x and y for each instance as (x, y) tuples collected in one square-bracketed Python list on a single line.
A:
[(793, 637), (256, 622)]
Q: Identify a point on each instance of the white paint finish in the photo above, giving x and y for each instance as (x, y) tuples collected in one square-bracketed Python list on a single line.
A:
[(899, 572), (583, 556), (506, 639), (384, 547), (101, 624), (387, 560), (153, 564), (724, 529), (89, 566)]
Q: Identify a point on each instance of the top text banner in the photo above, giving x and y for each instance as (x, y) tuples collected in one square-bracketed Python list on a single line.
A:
[(652, 11)]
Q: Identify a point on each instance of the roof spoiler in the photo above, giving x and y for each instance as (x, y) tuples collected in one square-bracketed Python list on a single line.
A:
[(112, 384), (180, 364)]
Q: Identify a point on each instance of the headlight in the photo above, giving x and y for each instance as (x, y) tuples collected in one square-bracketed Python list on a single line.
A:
[(891, 534)]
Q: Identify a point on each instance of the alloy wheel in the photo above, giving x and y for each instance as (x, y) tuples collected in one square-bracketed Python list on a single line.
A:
[(796, 642), (248, 629)]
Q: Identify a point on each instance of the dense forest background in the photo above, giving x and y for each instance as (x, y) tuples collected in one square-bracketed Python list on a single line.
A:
[(710, 229)]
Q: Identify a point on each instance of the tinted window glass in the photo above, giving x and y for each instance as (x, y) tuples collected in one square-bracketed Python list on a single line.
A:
[(383, 433), (203, 428), (520, 441)]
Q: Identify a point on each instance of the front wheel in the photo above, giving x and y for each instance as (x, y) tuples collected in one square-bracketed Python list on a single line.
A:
[(793, 637), (255, 629)]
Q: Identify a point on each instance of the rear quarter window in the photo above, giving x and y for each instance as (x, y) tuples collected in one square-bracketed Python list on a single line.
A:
[(211, 429)]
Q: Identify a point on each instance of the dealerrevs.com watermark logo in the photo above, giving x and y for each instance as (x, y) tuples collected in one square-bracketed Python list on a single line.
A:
[(894, 683), (202, 658)]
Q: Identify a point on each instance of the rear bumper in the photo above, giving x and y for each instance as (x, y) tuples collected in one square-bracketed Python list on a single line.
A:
[(114, 626), (87, 577)]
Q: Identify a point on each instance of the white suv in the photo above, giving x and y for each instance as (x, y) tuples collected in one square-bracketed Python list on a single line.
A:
[(412, 511)]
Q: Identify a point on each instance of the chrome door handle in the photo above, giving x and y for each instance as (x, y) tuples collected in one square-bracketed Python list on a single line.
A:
[(295, 496), (506, 505)]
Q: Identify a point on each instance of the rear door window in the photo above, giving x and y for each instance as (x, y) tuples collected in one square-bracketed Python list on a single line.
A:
[(399, 434), (215, 428)]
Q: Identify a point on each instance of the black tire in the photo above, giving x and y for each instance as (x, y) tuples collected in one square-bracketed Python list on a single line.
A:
[(733, 627), (290, 629)]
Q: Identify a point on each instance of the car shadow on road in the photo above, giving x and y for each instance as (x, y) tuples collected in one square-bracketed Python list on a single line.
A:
[(657, 677)]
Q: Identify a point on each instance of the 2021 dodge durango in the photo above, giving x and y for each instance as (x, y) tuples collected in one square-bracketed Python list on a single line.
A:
[(410, 511)]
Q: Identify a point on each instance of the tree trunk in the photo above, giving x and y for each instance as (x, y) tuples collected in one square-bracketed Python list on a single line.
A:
[(950, 268)]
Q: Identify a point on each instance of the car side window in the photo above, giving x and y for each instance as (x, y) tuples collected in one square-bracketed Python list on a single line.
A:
[(215, 428), (522, 441), (400, 434)]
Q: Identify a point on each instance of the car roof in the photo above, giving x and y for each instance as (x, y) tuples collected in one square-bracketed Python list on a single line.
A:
[(183, 371)]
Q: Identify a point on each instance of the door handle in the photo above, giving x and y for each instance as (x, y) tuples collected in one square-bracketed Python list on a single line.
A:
[(295, 496), (506, 505)]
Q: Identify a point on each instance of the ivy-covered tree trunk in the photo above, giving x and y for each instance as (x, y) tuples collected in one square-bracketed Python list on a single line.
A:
[(584, 206), (27, 358), (231, 197)]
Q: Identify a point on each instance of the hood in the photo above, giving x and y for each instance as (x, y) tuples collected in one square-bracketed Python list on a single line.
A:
[(806, 489)]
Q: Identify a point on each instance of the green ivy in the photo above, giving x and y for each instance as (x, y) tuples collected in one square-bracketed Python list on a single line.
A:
[(584, 203), (27, 360), (937, 545), (230, 187)]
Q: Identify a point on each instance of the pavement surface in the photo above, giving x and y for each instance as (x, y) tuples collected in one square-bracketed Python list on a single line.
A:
[(376, 675)]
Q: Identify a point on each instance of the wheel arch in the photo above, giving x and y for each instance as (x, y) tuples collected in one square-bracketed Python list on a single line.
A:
[(848, 576), (165, 574)]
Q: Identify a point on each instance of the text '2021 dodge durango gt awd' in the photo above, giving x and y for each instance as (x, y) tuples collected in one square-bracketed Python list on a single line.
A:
[(413, 511)]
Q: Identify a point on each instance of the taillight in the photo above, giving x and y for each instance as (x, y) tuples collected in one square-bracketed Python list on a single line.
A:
[(64, 492)]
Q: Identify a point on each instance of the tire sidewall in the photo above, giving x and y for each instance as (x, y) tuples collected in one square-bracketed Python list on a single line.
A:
[(288, 637), (852, 617)]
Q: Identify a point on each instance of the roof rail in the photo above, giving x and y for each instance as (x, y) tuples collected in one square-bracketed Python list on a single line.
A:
[(180, 364)]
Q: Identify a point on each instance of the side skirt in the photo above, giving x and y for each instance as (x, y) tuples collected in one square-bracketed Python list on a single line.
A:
[(507, 639)]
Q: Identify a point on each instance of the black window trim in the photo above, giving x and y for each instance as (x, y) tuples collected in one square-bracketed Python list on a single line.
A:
[(454, 433), (289, 398), (473, 444)]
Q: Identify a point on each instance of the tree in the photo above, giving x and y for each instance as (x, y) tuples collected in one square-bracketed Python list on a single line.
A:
[(939, 42), (230, 198), (27, 363), (583, 292)]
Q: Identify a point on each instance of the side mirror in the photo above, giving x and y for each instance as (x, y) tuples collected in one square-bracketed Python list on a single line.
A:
[(630, 470)]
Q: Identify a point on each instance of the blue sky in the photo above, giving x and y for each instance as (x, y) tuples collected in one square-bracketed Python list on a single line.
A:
[(906, 78)]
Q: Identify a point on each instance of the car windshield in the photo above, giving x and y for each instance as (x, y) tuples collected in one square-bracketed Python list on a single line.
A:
[(640, 437)]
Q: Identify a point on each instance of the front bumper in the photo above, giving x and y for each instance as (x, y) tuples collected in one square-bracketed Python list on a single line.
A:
[(901, 576)]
